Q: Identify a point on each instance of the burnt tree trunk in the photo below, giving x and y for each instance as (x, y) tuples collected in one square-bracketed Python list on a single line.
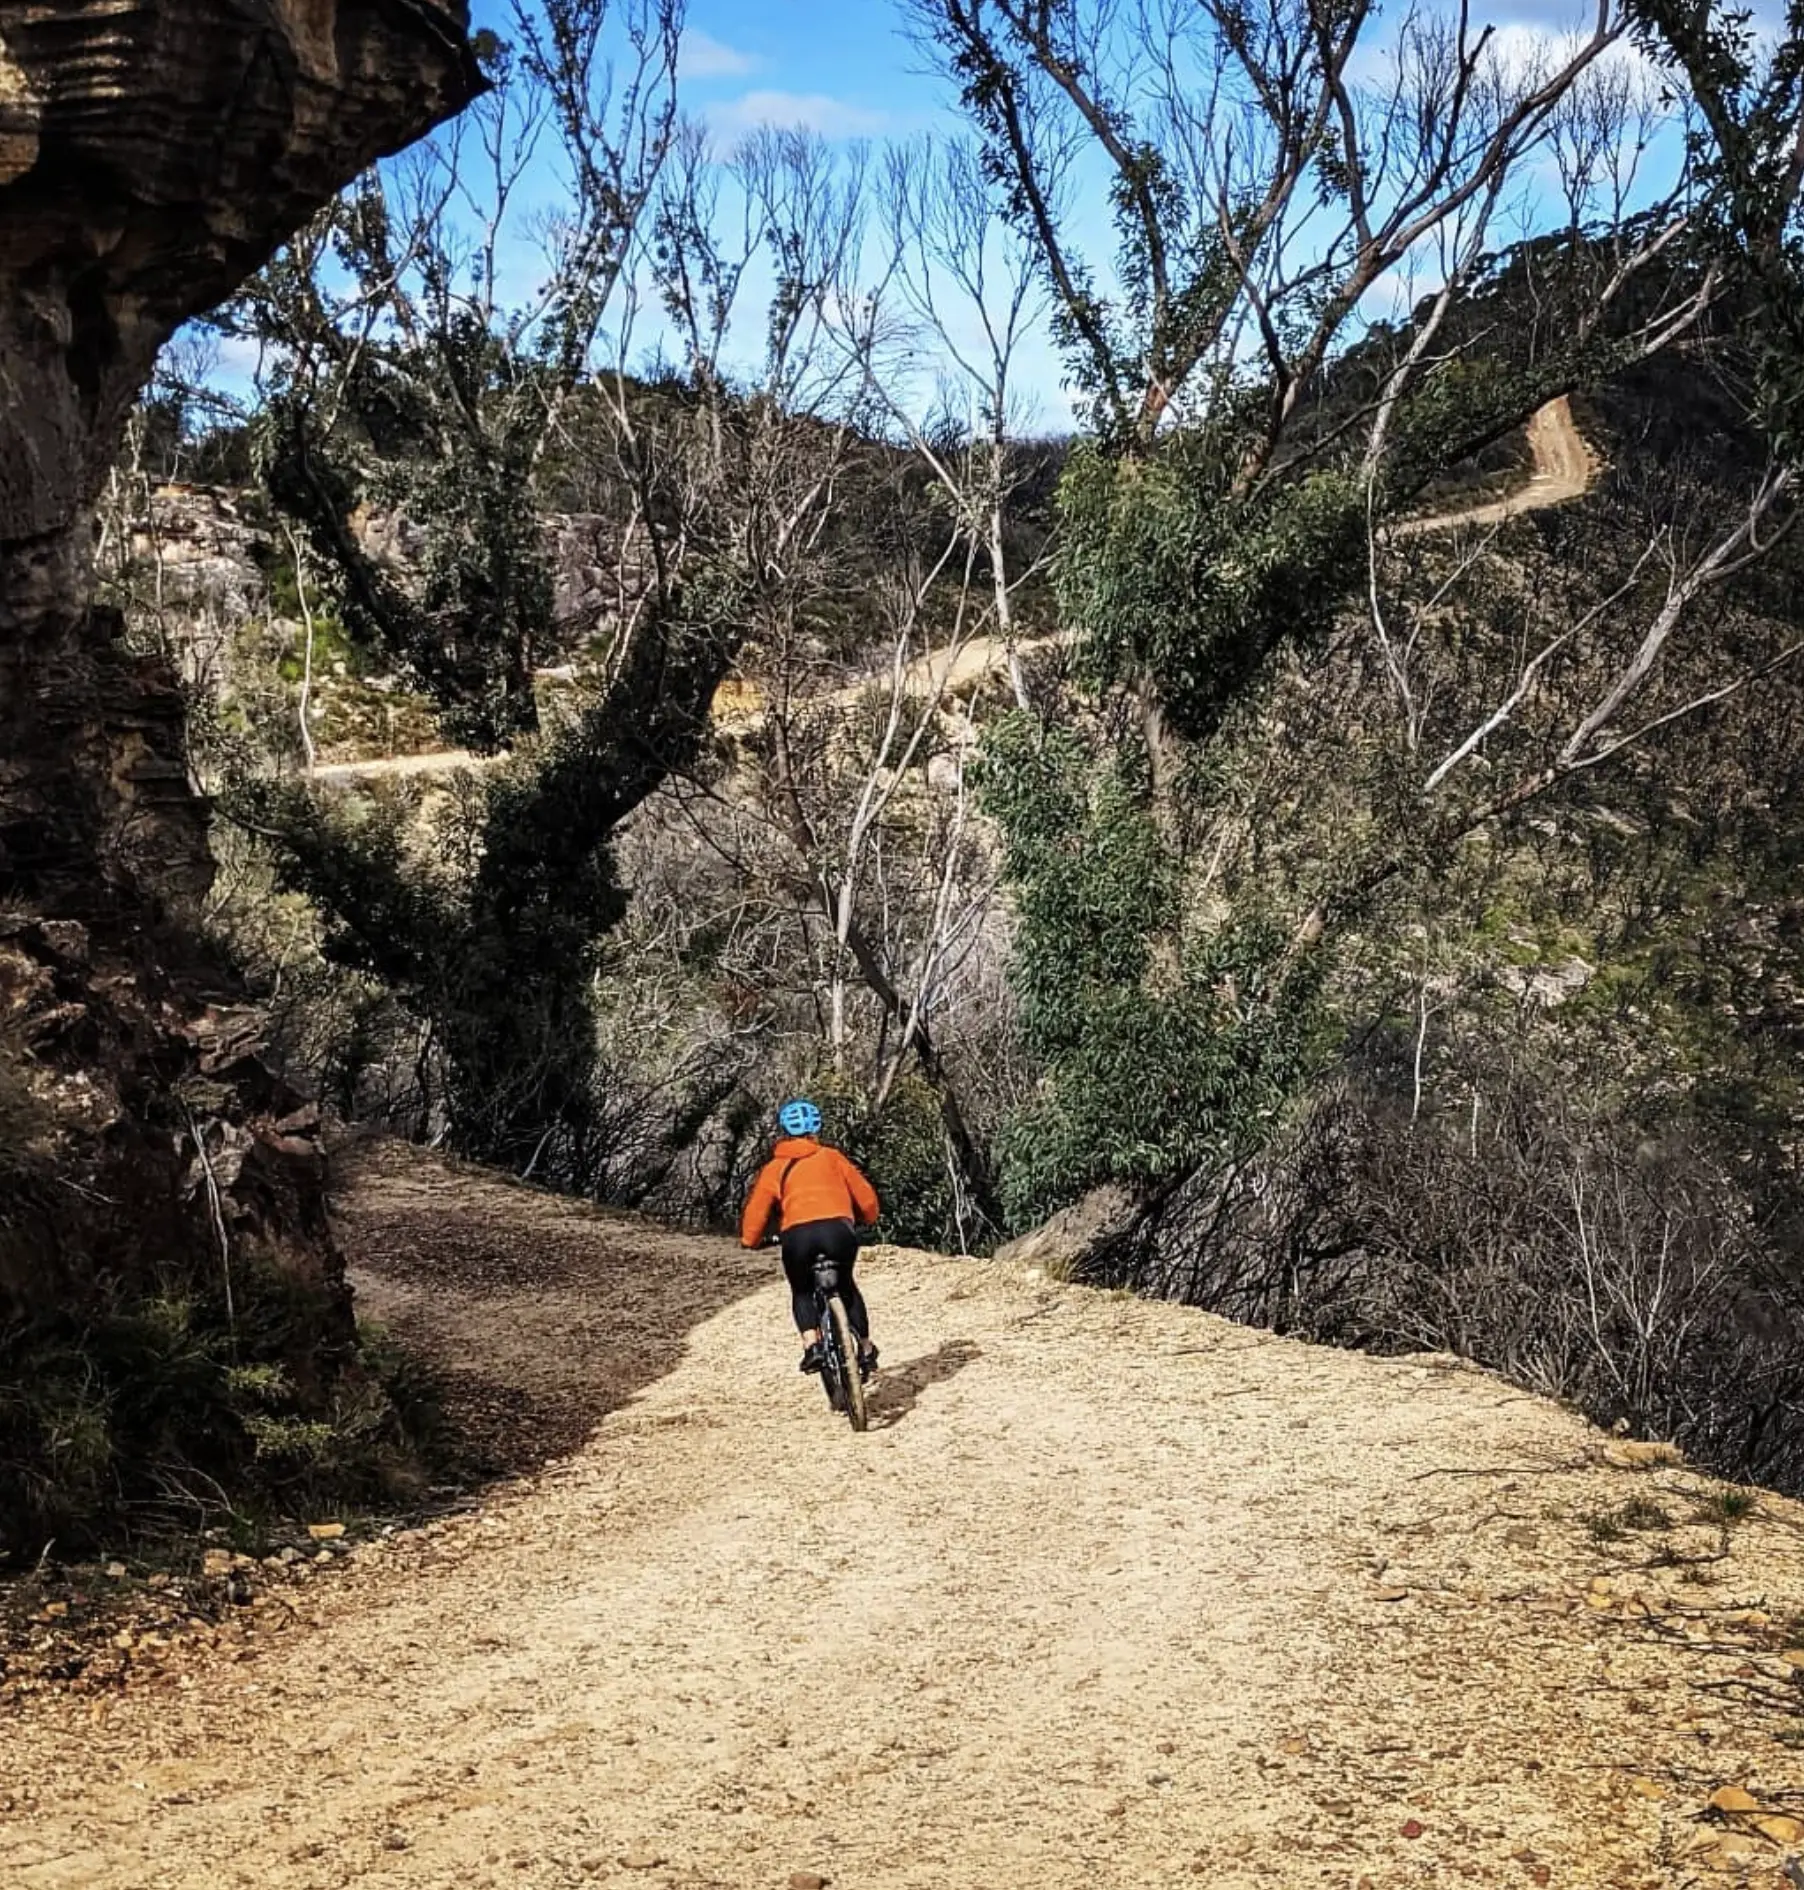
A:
[(152, 155)]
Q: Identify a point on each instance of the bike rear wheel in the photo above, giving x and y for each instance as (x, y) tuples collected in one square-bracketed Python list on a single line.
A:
[(833, 1367), (851, 1378)]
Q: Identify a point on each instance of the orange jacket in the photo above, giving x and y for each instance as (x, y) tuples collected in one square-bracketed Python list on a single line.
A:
[(808, 1181)]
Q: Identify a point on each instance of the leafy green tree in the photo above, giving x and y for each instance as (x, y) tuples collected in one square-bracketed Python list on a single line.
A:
[(1222, 511), (1257, 440), (1166, 1044)]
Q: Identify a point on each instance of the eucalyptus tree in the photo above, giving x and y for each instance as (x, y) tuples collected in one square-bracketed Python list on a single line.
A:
[(642, 372), (1303, 263)]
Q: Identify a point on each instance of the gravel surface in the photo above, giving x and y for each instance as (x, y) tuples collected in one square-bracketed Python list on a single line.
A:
[(1110, 1594)]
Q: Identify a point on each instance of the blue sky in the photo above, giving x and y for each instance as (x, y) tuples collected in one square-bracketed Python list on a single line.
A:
[(846, 70), (840, 67)]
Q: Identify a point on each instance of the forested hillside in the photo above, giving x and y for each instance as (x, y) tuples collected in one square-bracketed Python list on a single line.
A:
[(640, 656)]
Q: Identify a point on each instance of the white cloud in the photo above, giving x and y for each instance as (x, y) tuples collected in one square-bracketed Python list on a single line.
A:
[(238, 354), (702, 56), (1521, 51), (225, 362), (1524, 53), (789, 111)]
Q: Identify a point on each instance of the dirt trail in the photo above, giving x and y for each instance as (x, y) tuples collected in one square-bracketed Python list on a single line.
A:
[(396, 767), (1112, 1594), (933, 674), (941, 670), (1565, 467)]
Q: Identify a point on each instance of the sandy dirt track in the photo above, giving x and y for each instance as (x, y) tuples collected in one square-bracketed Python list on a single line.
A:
[(1111, 1594), (400, 767), (1564, 469), (937, 673)]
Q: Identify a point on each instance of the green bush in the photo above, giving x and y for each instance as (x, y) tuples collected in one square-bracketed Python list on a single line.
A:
[(1162, 1045), (127, 1413), (1168, 574), (902, 1146)]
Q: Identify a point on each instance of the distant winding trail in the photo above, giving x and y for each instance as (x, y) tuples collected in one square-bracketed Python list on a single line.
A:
[(934, 673), (399, 767), (1112, 1595), (1565, 469)]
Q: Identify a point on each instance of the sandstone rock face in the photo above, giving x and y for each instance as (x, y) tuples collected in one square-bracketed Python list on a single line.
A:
[(1061, 1245), (153, 154), (205, 557), (597, 571), (196, 571)]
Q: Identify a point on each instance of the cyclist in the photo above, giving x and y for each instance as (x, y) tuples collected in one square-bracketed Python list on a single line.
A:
[(818, 1196)]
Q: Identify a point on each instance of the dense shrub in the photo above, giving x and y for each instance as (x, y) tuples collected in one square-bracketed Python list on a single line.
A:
[(1614, 1262), (1163, 1044), (128, 1412)]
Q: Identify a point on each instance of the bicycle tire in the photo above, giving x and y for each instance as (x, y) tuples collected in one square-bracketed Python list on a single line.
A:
[(852, 1378), (832, 1372)]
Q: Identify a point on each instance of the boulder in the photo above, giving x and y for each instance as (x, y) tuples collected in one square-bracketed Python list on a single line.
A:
[(1060, 1245)]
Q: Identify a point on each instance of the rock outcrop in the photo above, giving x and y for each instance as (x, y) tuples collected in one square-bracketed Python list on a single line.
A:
[(1062, 1245), (151, 156)]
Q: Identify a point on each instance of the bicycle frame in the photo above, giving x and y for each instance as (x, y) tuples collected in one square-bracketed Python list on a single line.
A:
[(841, 1376)]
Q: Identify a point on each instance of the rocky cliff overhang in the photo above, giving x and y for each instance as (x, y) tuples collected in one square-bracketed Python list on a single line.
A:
[(152, 154)]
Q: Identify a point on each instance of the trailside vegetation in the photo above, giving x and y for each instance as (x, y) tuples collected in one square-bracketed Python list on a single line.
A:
[(1255, 812)]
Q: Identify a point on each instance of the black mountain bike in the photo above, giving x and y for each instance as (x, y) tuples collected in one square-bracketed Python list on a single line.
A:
[(840, 1372)]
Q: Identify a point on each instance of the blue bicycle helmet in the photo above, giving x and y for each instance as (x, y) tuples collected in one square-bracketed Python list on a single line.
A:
[(800, 1117)]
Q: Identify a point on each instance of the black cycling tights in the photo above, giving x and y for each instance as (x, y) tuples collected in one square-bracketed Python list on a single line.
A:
[(831, 1240)]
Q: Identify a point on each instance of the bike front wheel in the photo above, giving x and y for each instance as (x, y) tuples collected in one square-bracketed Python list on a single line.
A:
[(851, 1378)]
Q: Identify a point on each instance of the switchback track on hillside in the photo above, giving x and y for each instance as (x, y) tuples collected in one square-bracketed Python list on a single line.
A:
[(1565, 468), (937, 673), (1112, 1594), (399, 767)]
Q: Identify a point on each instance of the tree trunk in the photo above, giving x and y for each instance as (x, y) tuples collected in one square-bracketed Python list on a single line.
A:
[(151, 156)]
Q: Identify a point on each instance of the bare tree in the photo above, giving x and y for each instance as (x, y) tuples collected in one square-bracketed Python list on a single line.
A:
[(960, 286), (406, 367), (711, 488), (1600, 672), (843, 812), (1275, 175), (1264, 186)]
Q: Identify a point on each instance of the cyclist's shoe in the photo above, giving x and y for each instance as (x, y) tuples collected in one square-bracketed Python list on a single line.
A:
[(867, 1361), (814, 1358)]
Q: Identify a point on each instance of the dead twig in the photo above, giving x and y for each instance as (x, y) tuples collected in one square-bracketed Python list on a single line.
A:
[(1508, 1470)]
